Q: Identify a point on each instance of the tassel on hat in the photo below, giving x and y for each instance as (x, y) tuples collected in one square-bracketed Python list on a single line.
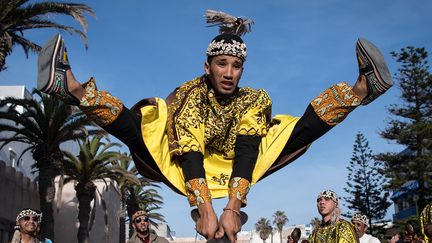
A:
[(228, 24)]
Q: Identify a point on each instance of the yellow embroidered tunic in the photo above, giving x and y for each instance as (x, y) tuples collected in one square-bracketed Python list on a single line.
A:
[(425, 219), (339, 232), (192, 119)]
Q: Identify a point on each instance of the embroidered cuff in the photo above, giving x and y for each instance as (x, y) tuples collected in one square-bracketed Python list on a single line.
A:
[(239, 188), (335, 103), (100, 106), (197, 191)]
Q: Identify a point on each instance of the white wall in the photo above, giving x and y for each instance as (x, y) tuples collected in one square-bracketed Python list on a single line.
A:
[(66, 218)]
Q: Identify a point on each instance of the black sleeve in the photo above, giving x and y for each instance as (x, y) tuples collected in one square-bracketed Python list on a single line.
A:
[(192, 164), (246, 154)]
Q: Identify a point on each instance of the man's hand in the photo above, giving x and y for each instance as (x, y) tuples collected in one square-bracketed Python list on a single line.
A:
[(229, 222), (207, 223)]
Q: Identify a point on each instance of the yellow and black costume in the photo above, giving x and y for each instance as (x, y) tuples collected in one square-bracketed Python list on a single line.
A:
[(338, 232), (425, 220), (207, 148)]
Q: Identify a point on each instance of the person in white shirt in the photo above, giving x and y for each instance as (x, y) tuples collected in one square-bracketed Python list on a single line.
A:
[(361, 224)]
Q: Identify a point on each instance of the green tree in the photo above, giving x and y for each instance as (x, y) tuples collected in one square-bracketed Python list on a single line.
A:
[(93, 163), (365, 184), (42, 125), (263, 228), (280, 220), (411, 125), (17, 16)]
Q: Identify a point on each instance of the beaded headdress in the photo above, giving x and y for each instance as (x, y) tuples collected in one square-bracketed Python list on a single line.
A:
[(329, 194), (138, 213), (360, 218), (28, 212), (230, 29)]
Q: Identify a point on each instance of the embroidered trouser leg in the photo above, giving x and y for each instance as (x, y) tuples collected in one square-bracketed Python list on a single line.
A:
[(109, 112), (323, 113)]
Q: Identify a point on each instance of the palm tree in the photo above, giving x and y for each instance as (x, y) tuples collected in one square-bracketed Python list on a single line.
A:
[(145, 197), (264, 228), (280, 219), (42, 125), (93, 163), (124, 185), (17, 16)]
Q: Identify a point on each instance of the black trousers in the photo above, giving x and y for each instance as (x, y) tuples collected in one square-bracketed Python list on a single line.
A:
[(127, 128)]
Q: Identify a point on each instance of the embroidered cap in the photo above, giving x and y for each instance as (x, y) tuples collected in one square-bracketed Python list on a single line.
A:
[(329, 194), (230, 28), (28, 212), (227, 44), (360, 218), (138, 213)]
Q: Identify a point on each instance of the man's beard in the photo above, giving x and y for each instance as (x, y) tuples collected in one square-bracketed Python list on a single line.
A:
[(145, 231)]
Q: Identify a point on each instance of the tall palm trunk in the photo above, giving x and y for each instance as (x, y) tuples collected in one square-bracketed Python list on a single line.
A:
[(85, 194), (46, 198)]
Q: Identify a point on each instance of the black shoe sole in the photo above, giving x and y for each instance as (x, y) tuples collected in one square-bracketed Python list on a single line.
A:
[(46, 64), (375, 57)]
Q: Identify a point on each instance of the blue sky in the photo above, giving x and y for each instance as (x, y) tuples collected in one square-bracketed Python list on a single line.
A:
[(141, 49)]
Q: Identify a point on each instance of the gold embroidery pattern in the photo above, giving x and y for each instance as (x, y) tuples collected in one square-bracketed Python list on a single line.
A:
[(197, 191), (339, 232), (100, 106), (425, 219), (239, 188), (221, 180), (335, 103), (196, 118)]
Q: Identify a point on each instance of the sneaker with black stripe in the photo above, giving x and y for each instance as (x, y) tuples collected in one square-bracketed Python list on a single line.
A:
[(52, 66), (373, 66)]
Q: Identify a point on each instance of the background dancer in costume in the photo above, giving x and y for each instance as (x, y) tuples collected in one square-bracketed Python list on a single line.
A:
[(332, 229), (210, 138), (27, 227), (361, 224)]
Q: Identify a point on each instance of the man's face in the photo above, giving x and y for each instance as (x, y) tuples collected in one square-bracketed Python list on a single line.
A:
[(29, 224), (359, 227), (325, 206), (225, 72), (141, 224)]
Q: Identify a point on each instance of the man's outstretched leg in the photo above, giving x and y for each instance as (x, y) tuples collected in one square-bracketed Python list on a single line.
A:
[(56, 79), (333, 105)]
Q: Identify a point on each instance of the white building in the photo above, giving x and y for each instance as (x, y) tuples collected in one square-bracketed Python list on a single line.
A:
[(10, 153)]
